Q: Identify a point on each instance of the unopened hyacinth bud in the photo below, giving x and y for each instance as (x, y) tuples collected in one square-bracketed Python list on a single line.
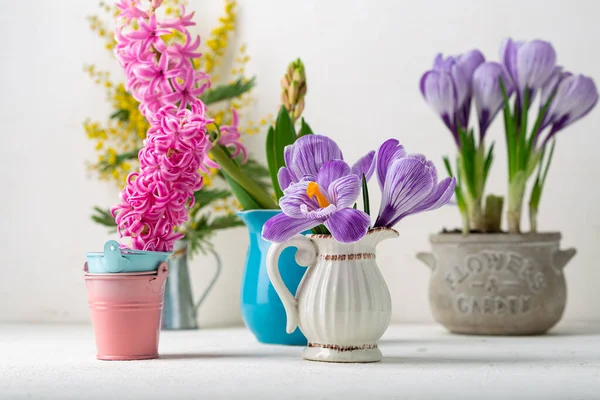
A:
[(293, 89)]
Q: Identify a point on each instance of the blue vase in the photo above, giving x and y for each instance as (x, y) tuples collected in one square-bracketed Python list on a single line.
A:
[(262, 310)]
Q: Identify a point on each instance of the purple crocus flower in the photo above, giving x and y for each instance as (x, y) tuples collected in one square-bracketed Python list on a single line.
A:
[(448, 88), (388, 152), (552, 83), (461, 69), (409, 184), (558, 75), (508, 56), (575, 97), (468, 63), (439, 91), (530, 64), (309, 153), (365, 166), (488, 94), (460, 79), (325, 200)]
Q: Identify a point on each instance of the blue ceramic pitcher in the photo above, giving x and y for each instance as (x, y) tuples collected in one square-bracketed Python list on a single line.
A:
[(262, 310)]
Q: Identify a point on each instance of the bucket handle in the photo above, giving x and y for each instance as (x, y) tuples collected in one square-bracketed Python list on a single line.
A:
[(158, 282), (213, 281), (113, 261)]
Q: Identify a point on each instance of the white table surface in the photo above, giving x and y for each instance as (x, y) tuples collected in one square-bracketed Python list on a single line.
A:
[(43, 361)]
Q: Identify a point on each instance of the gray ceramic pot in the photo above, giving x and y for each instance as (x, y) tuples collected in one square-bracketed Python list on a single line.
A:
[(497, 284)]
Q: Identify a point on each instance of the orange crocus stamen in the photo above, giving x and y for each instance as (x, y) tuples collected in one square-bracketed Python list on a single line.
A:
[(313, 190)]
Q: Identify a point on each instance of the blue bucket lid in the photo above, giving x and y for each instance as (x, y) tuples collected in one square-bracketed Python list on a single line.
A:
[(116, 260)]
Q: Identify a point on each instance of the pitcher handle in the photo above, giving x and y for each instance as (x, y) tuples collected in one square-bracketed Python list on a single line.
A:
[(306, 256), (213, 281)]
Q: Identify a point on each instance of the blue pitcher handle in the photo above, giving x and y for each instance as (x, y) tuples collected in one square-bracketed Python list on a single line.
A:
[(112, 257), (213, 281)]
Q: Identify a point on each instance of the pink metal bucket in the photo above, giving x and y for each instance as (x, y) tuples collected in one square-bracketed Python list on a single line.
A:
[(126, 312)]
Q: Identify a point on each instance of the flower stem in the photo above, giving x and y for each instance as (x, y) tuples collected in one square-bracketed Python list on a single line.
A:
[(514, 218), (234, 171), (533, 218), (465, 223), (475, 214), (516, 191), (540, 181)]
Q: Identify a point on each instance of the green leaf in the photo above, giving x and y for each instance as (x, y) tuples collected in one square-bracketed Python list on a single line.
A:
[(479, 168), (536, 194), (198, 238), (548, 162), (233, 173), (245, 199), (522, 150), (320, 230), (304, 129), (448, 166), (205, 196), (257, 172), (459, 180), (227, 92), (460, 198), (281, 136), (488, 162), (225, 222), (539, 174), (104, 217), (467, 156), (540, 179), (205, 228), (472, 138), (509, 131), (284, 128), (538, 121), (272, 162), (120, 158), (516, 190), (532, 162), (120, 115), (365, 194)]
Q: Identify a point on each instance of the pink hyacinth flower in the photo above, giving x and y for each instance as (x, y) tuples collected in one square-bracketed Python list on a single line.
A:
[(129, 9), (230, 137)]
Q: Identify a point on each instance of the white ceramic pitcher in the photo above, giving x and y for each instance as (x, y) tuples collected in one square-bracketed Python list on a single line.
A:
[(342, 305)]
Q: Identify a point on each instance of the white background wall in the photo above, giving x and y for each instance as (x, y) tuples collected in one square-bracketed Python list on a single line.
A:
[(364, 59)]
